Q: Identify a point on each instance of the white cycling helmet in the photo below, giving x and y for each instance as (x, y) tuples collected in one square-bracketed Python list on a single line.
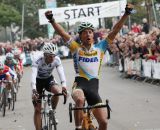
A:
[(1, 65), (9, 55), (85, 25), (50, 48)]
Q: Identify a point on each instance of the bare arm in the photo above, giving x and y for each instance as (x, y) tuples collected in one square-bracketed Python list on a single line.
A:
[(117, 27), (119, 24), (58, 28)]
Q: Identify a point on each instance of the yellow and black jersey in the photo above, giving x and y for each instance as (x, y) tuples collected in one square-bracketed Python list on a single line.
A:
[(87, 63)]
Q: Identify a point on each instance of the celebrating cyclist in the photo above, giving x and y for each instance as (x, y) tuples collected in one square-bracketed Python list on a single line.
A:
[(42, 79), (87, 58)]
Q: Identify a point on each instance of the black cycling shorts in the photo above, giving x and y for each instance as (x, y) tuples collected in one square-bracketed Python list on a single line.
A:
[(45, 84), (90, 89)]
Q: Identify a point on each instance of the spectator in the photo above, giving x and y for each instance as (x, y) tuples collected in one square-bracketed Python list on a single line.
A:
[(145, 27)]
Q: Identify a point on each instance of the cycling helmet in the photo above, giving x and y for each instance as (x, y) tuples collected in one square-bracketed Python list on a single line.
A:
[(50, 48), (9, 55), (1, 65), (85, 25)]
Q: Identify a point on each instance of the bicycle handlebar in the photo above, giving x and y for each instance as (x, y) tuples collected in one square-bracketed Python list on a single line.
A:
[(58, 94), (90, 107), (94, 106)]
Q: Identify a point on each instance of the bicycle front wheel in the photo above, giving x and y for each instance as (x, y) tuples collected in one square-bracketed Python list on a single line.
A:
[(52, 120), (44, 120), (4, 102)]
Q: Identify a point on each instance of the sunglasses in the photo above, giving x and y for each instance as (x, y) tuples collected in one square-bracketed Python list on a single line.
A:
[(49, 55)]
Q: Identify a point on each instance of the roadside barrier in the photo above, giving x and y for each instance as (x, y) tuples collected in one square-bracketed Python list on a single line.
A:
[(147, 69)]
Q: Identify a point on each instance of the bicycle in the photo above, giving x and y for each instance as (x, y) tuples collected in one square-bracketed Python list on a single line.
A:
[(87, 121), (47, 113), (5, 97)]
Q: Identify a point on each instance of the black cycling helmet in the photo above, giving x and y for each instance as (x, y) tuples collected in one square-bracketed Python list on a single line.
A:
[(85, 25)]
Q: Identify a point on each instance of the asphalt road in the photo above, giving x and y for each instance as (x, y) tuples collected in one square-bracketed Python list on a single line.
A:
[(135, 105)]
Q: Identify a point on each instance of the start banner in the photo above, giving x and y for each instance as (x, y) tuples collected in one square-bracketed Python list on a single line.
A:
[(99, 10)]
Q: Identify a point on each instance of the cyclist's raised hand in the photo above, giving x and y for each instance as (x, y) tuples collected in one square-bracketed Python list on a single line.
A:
[(129, 9), (49, 15)]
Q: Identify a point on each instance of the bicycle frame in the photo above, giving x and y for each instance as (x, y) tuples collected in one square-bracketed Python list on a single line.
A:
[(46, 110)]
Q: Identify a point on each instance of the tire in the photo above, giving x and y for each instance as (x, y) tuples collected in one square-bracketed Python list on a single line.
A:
[(15, 92), (44, 120), (52, 120), (70, 112), (16, 86), (4, 102), (13, 98), (9, 103)]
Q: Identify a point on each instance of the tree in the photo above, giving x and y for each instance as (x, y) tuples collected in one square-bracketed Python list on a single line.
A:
[(32, 28), (8, 15)]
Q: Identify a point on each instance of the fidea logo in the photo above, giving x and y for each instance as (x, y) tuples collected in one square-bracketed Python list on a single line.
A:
[(86, 59)]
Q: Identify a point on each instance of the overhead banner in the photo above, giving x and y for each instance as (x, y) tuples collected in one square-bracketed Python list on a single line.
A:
[(99, 10)]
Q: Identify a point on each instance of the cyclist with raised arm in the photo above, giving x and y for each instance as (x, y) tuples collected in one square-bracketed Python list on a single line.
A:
[(42, 78), (87, 58)]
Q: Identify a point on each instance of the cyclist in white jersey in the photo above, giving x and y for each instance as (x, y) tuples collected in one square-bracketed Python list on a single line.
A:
[(42, 79), (87, 61)]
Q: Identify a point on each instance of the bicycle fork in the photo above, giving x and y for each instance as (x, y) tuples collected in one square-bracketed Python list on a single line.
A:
[(87, 122)]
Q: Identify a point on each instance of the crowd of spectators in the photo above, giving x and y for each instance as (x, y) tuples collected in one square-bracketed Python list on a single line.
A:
[(137, 43), (134, 43)]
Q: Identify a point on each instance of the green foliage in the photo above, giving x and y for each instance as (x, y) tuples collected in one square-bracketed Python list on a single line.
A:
[(32, 28), (17, 4), (8, 15), (62, 3)]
